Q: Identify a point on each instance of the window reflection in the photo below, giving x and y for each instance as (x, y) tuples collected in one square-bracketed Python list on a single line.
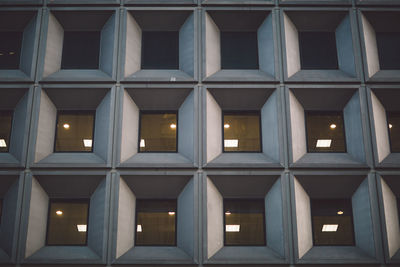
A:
[(239, 50), (156, 56)]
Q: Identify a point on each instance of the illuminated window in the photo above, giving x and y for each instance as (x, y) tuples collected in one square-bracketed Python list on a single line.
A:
[(158, 132), (74, 131), (5, 130), (325, 132), (160, 50), (388, 50), (239, 50), (394, 131), (81, 50), (244, 222), (332, 222), (67, 222), (318, 50), (242, 132), (10, 49), (155, 222)]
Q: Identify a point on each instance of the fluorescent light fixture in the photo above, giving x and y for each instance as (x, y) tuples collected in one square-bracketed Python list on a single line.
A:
[(172, 126), (324, 142), (232, 228), (3, 143), (81, 227), (59, 212), (231, 143), (330, 227), (171, 213), (332, 126), (139, 228), (142, 144), (87, 142), (226, 126)]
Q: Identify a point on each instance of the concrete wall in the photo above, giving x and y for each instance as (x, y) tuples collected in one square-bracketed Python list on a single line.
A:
[(215, 224), (186, 121), (303, 219), (381, 128), (130, 126), (54, 44), (212, 46), (371, 47), (214, 126), (298, 127), (292, 46), (133, 46), (266, 47), (186, 219)]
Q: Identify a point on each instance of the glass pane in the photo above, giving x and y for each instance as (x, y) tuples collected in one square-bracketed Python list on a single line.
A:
[(5, 130), (239, 50), (332, 221), (1, 209), (10, 49), (155, 222), (81, 50), (67, 223), (74, 131), (394, 131), (318, 50), (244, 222), (388, 50), (325, 132), (158, 132), (242, 132), (156, 56)]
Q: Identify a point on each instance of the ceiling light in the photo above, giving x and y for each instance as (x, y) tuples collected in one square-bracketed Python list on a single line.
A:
[(87, 142), (172, 126), (139, 228), (330, 227), (232, 228), (59, 212), (324, 142), (228, 212), (1, 54), (332, 126), (390, 126), (226, 126), (66, 126), (171, 213), (340, 212), (142, 144), (231, 143), (3, 143), (11, 53), (81, 227)]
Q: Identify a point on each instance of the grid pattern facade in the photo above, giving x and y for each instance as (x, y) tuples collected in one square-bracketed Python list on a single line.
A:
[(200, 175)]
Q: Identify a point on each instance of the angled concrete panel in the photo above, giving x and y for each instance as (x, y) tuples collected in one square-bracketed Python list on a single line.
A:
[(130, 126), (266, 49), (186, 219), (186, 46), (54, 44), (380, 127), (215, 219), (186, 121), (133, 46), (108, 36), (292, 46), (303, 219), (297, 122), (214, 126), (212, 46), (371, 47), (344, 44)]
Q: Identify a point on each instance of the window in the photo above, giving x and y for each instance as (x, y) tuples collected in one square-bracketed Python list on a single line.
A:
[(5, 130), (155, 222), (67, 222), (239, 50), (10, 49), (74, 131), (158, 132), (394, 131), (1, 209), (244, 222), (388, 50), (332, 222), (318, 50), (325, 132), (242, 132), (156, 56), (81, 50)]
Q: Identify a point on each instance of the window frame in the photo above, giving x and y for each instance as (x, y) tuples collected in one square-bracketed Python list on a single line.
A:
[(68, 200), (388, 113), (352, 224), (264, 221), (77, 112), (10, 133), (325, 113), (176, 112), (176, 221), (239, 112)]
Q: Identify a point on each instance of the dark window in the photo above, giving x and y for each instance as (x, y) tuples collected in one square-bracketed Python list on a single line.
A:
[(160, 50), (67, 222), (394, 131), (318, 50), (81, 50), (242, 132), (1, 209), (239, 50), (332, 222), (10, 49), (5, 130), (155, 222), (325, 132), (158, 132), (244, 222), (388, 50), (74, 131)]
